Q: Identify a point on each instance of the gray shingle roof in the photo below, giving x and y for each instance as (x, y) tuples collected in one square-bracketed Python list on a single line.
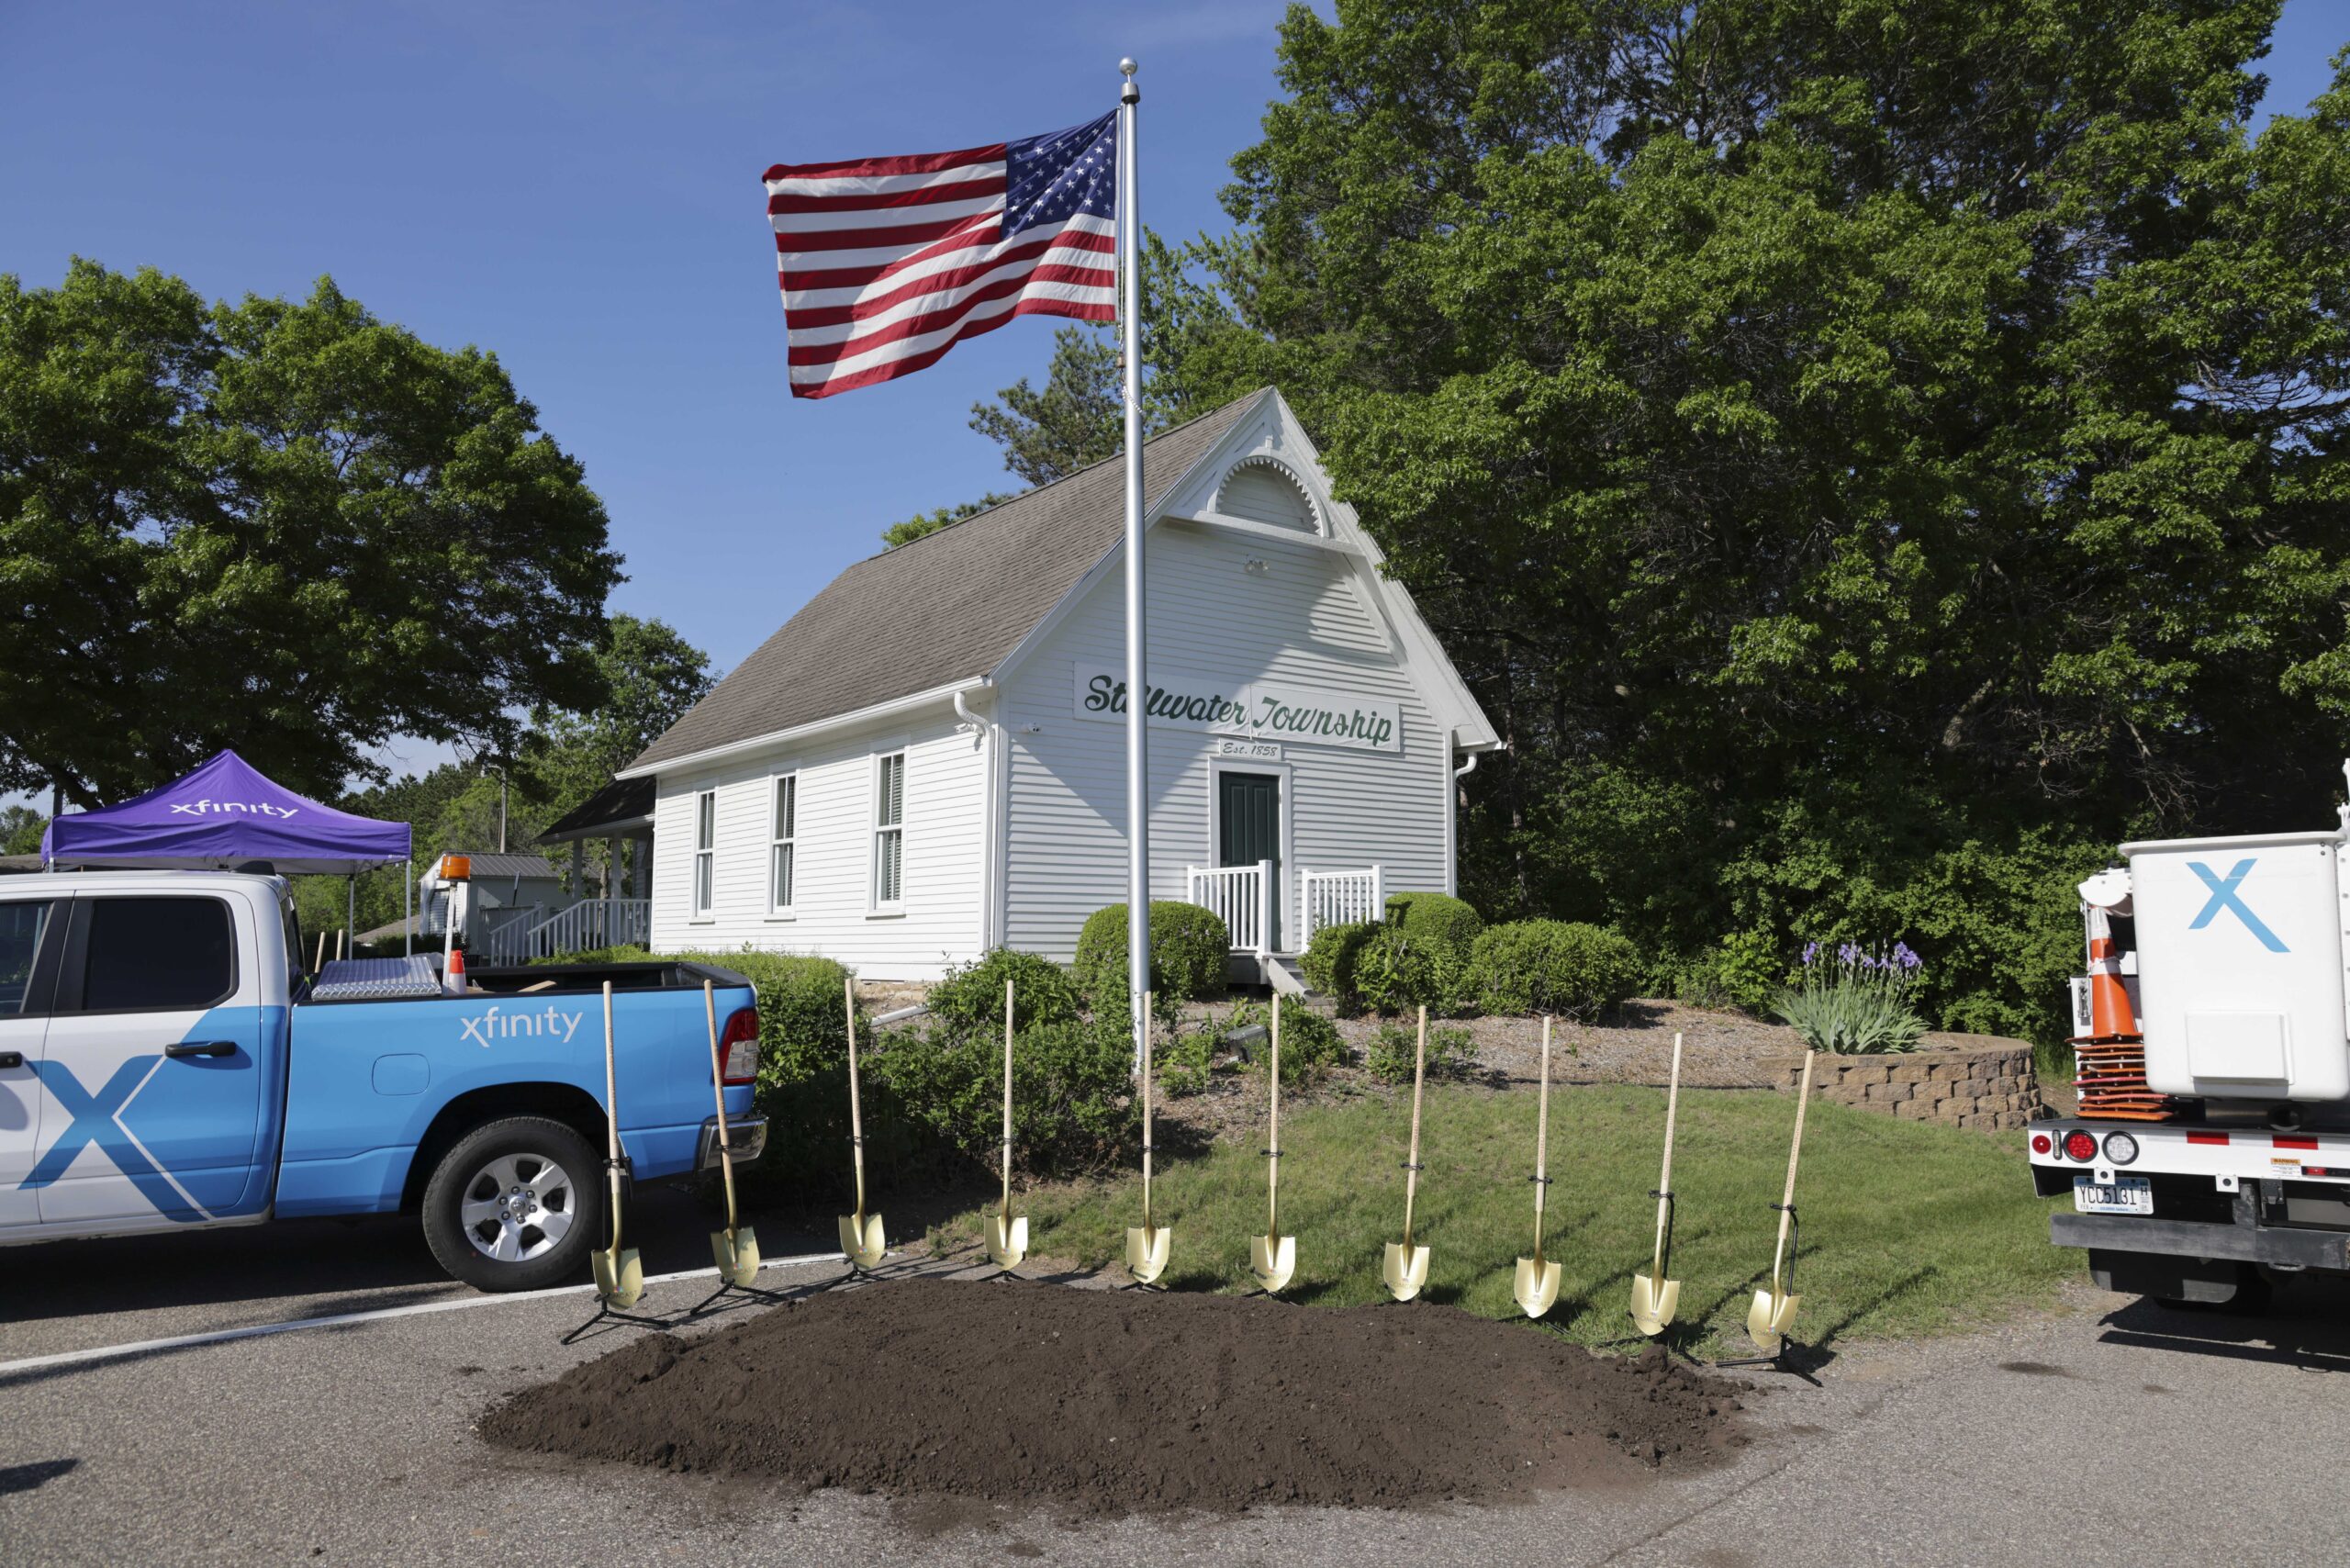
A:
[(948, 607)]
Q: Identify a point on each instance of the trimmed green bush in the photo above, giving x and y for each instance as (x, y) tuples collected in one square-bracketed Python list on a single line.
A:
[(969, 1000), (1437, 918), (1188, 947), (1396, 972), (1552, 966), (1071, 1106), (1329, 963), (1389, 1056)]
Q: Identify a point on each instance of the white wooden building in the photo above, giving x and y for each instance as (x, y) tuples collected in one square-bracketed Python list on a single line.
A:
[(928, 760)]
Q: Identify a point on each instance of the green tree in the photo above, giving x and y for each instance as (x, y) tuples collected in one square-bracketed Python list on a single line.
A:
[(652, 676), (20, 829), (1073, 422), (1854, 450), (924, 523), (285, 527)]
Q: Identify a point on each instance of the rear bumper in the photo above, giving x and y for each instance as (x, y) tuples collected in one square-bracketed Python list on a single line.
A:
[(2274, 1245), (746, 1141)]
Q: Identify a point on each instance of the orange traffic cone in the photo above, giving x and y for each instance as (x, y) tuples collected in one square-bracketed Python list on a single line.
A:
[(454, 982), (2111, 1017)]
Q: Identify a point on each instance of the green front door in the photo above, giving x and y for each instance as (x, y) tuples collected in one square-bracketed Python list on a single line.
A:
[(1249, 829)]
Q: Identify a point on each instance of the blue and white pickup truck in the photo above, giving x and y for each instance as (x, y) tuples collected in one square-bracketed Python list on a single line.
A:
[(163, 1065)]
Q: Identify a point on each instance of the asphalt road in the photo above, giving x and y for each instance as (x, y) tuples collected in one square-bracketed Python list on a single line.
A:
[(2114, 1432)]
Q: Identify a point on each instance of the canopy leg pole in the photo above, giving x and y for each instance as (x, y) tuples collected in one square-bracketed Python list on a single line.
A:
[(408, 907), (350, 910)]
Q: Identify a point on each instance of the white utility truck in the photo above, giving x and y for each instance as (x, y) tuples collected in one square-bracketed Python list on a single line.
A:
[(2243, 1172)]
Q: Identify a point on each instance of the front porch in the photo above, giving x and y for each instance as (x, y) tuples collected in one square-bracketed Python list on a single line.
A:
[(1269, 930)]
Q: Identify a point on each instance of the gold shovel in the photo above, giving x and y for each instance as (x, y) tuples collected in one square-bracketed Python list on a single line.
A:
[(1147, 1245), (1407, 1269), (1538, 1281), (1272, 1257), (1654, 1297), (1007, 1238), (736, 1247), (620, 1277), (861, 1235), (1774, 1312)]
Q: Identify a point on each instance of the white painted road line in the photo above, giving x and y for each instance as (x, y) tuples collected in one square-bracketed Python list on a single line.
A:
[(342, 1320)]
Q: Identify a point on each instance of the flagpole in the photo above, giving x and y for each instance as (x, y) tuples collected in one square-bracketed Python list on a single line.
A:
[(1138, 686)]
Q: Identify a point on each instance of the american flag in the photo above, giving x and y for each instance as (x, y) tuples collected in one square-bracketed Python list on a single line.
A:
[(888, 263)]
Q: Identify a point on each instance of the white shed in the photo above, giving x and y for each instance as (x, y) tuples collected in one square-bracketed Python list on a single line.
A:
[(927, 761)]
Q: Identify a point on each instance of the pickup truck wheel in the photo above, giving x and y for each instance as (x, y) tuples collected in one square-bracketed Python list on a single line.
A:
[(514, 1206)]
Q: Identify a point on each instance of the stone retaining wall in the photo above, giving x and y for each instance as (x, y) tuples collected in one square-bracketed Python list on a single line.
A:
[(1986, 1083)]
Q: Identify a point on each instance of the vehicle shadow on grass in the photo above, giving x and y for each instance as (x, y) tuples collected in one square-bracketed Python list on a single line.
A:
[(2306, 1324)]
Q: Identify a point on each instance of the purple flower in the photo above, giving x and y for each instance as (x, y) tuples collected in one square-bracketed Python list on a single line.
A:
[(1848, 953), (1810, 951), (1904, 957)]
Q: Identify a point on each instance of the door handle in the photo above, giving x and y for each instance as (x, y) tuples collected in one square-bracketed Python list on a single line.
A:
[(202, 1049), (11, 1059)]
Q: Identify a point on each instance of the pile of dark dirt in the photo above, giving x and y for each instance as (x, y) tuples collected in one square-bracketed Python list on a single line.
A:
[(1093, 1401)]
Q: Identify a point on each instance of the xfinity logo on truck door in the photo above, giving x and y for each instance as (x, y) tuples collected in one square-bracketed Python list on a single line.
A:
[(538, 1022), (2223, 896)]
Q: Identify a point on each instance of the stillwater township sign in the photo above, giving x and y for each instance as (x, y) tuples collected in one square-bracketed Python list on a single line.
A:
[(1264, 710)]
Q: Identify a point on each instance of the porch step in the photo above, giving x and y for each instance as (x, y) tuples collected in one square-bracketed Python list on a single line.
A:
[(1280, 971)]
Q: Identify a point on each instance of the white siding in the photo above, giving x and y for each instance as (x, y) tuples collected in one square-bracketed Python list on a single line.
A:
[(946, 794), (1301, 621)]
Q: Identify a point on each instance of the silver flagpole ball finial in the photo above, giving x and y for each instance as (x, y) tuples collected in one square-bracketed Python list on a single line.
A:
[(1127, 67)]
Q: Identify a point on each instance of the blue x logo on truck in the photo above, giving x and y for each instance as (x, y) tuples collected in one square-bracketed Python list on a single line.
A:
[(97, 1120), (2223, 896)]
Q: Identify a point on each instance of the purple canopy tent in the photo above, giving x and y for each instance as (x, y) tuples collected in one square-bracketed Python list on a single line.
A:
[(220, 817)]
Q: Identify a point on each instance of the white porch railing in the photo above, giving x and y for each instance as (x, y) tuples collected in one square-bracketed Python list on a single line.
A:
[(589, 924), (1242, 895), (1338, 898)]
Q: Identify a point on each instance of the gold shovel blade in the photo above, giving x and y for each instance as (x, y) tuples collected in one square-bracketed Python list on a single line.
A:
[(1770, 1319), (1146, 1251), (1007, 1240), (1538, 1286), (1653, 1304), (1272, 1258), (620, 1277), (737, 1253), (1406, 1271), (862, 1240)]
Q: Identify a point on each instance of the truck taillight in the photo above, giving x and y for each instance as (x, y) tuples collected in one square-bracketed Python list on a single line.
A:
[(2080, 1146), (2042, 1143), (738, 1047)]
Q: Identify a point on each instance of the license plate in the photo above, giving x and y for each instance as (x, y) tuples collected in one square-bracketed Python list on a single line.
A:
[(2127, 1195)]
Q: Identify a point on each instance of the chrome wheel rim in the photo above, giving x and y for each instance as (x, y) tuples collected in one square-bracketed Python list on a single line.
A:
[(518, 1207)]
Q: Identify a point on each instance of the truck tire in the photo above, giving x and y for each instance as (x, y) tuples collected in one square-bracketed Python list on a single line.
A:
[(515, 1204)]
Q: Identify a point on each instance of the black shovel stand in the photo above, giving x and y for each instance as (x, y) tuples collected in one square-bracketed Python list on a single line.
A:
[(727, 1288), (605, 1311), (1778, 1360)]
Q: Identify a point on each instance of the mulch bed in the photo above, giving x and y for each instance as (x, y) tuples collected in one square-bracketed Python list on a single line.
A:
[(1091, 1403)]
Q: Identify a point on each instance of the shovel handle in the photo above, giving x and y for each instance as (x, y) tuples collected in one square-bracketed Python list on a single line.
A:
[(612, 1119), (1787, 1205), (856, 1108), (1542, 1139), (718, 1091), (1007, 1097), (1420, 1078), (1672, 1111), (1274, 1120)]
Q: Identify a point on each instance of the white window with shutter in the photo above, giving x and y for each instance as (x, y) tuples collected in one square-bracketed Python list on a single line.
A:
[(783, 842), (889, 832), (705, 852)]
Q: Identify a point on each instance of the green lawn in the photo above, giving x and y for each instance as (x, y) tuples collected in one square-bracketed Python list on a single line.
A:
[(1908, 1230)]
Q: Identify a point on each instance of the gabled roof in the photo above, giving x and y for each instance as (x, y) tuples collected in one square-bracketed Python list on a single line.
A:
[(488, 865), (948, 606), (622, 803)]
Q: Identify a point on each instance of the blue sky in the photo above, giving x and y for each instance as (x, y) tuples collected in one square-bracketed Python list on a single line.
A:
[(576, 188)]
